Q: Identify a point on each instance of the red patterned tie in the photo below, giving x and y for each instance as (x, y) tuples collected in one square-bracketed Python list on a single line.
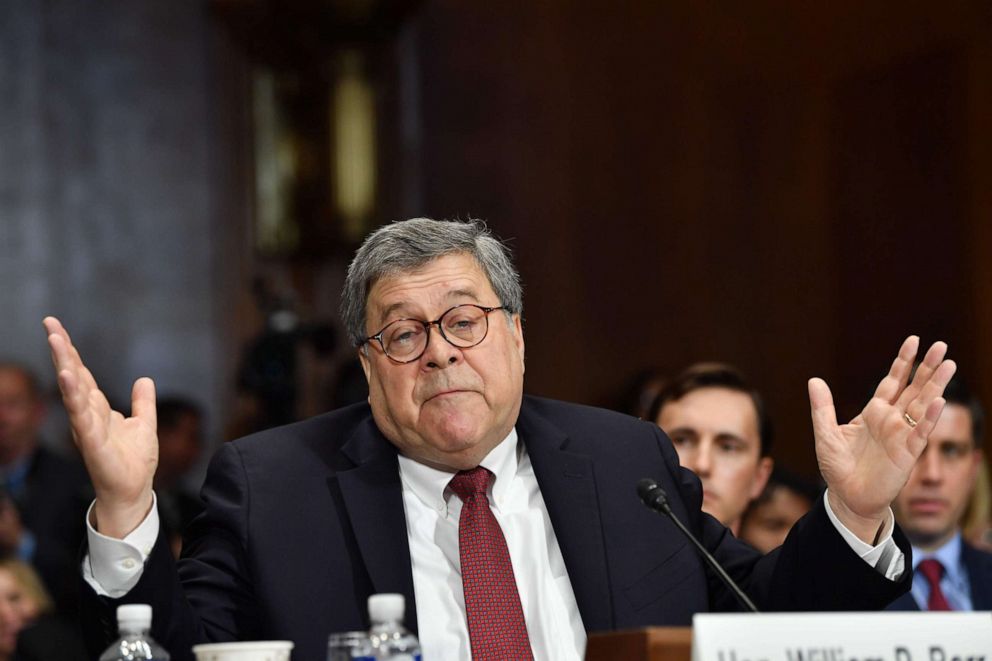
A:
[(496, 626), (932, 570)]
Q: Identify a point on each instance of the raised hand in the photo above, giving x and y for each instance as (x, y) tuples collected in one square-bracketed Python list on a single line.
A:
[(867, 461), (120, 453)]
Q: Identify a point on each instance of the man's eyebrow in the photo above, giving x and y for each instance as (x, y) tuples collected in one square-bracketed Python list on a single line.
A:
[(463, 293), (956, 442), (390, 309), (454, 293)]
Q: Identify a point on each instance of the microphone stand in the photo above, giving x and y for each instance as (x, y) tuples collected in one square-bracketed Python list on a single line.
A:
[(656, 499)]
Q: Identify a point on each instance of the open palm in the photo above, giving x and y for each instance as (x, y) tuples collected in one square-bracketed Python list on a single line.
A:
[(867, 461), (120, 453)]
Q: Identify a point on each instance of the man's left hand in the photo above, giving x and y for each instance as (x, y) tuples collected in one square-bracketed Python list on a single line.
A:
[(867, 461)]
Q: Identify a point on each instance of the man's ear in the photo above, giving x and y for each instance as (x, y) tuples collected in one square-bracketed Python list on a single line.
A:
[(363, 358), (518, 333), (976, 465), (764, 471)]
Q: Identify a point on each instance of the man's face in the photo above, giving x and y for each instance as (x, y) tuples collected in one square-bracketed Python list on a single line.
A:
[(767, 525), (13, 615), (715, 431), (930, 506), (451, 406), (179, 447), (21, 415)]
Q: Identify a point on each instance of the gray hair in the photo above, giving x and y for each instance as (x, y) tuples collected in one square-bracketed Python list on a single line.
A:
[(409, 244)]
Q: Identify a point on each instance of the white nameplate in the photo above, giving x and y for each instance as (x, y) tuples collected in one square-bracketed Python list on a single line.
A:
[(842, 637)]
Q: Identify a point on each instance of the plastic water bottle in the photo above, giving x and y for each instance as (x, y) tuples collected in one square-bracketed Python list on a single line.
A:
[(390, 640), (350, 646), (133, 623)]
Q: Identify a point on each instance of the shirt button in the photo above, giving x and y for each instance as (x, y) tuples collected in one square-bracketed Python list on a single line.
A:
[(128, 563)]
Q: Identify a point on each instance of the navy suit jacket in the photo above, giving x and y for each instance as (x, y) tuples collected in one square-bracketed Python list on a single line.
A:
[(978, 564), (304, 522)]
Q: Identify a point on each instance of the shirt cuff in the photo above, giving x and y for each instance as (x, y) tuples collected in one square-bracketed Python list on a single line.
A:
[(885, 557), (113, 566)]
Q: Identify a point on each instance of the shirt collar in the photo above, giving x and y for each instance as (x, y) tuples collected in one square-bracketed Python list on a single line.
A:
[(949, 555), (430, 484)]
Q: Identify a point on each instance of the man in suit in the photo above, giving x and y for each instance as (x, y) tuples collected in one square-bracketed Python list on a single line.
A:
[(948, 573), (43, 494), (510, 523), (722, 433)]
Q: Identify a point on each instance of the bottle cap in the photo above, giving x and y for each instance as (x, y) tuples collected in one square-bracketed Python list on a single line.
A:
[(132, 617), (386, 607)]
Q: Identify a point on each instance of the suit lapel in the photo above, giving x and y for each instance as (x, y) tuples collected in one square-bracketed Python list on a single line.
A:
[(373, 497), (979, 566), (568, 486), (904, 603)]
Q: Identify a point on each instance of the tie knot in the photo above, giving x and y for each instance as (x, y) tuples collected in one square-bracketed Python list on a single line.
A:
[(475, 482), (932, 570)]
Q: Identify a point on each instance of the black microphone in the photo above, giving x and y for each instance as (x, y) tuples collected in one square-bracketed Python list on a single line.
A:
[(655, 498)]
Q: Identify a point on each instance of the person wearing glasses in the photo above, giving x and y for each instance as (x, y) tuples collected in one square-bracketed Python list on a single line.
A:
[(511, 523)]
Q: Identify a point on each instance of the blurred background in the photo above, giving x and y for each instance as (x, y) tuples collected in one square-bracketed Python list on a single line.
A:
[(789, 187)]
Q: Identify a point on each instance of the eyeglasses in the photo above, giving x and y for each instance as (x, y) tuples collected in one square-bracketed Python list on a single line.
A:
[(405, 340)]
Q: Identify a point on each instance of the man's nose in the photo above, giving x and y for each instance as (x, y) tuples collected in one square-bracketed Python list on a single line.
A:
[(704, 458), (439, 352), (929, 466)]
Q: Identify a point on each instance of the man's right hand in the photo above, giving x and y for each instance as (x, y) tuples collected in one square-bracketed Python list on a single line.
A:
[(120, 453)]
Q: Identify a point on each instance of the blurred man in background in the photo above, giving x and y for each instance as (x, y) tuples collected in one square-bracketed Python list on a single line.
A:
[(43, 494), (180, 445), (786, 498), (718, 424), (948, 573)]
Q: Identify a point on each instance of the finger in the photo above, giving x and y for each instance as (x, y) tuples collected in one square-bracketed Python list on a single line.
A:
[(821, 404), (64, 354), (67, 358), (58, 345), (54, 327), (86, 405), (893, 383), (81, 417), (933, 389), (923, 374), (66, 368), (143, 401), (918, 439)]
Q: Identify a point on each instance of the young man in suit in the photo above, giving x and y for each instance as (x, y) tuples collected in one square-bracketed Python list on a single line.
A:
[(510, 523), (948, 573), (722, 433)]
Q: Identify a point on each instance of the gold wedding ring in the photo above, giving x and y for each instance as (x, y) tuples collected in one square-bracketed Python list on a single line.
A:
[(909, 419)]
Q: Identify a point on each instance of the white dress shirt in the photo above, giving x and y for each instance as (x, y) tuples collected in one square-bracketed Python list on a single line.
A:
[(954, 583), (554, 624)]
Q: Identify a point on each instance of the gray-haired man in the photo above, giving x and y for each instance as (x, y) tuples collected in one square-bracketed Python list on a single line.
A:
[(509, 522)]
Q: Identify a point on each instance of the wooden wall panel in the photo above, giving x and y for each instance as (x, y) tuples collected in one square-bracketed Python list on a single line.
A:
[(787, 191)]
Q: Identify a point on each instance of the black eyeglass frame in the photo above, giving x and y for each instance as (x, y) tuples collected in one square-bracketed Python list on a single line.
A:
[(427, 328)]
